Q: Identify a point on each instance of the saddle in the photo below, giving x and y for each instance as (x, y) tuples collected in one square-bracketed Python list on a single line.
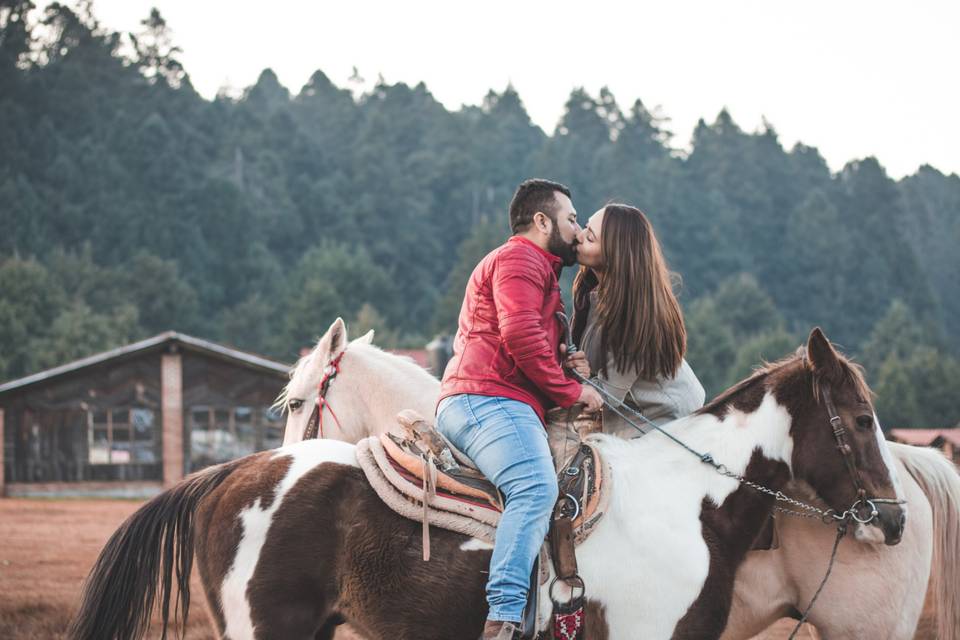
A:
[(422, 476)]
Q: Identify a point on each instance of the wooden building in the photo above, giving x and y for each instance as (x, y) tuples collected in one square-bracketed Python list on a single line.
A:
[(133, 420), (947, 440)]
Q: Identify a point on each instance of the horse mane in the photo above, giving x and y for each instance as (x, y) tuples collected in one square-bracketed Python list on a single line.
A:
[(404, 362), (851, 373)]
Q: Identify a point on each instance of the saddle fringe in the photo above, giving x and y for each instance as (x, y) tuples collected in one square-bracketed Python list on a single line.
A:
[(454, 515)]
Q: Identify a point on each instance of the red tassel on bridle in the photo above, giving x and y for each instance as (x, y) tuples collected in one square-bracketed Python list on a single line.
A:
[(331, 372)]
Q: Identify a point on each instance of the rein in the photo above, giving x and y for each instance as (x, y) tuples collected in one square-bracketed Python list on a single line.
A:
[(314, 428), (828, 516)]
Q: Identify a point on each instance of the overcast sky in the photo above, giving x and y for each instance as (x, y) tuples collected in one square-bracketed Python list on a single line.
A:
[(851, 77)]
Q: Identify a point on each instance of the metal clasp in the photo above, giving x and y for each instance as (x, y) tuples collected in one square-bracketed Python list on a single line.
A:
[(864, 504)]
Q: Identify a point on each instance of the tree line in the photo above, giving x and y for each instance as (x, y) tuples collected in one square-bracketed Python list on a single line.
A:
[(130, 205)]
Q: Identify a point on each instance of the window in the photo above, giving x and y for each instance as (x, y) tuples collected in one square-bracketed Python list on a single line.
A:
[(245, 431), (219, 434), (98, 428), (143, 446), (121, 436), (273, 424)]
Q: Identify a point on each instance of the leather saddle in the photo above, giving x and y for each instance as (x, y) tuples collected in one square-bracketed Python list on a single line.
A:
[(425, 457)]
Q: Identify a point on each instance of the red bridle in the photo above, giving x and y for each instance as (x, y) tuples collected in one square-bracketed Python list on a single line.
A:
[(314, 428)]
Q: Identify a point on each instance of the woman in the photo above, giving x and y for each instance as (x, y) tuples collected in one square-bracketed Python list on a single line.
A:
[(628, 321)]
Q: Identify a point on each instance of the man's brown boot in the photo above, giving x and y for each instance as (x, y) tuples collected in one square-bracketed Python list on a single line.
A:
[(499, 630)]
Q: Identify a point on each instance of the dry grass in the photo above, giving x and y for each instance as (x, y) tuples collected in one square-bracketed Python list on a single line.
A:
[(48, 546)]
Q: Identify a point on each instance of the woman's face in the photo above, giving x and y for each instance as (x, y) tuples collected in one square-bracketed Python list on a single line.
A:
[(589, 249)]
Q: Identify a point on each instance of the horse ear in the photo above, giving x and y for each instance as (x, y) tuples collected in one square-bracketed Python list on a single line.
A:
[(336, 337), (366, 338), (823, 357)]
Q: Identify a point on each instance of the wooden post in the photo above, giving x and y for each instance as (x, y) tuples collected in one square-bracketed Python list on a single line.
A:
[(171, 409)]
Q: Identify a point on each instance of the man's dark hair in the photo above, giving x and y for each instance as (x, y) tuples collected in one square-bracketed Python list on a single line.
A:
[(532, 196)]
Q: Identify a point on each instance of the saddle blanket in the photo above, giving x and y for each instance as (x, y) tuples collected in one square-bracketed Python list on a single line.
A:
[(415, 488)]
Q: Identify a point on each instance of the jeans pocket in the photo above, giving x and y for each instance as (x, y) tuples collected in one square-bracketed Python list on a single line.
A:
[(454, 421)]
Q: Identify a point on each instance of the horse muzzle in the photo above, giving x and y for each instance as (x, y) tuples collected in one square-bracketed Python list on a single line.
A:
[(886, 526), (891, 520)]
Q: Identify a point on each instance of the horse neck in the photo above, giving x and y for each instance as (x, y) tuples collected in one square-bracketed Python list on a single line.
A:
[(376, 386), (734, 438)]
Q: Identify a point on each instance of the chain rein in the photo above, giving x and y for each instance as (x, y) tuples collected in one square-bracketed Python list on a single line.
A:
[(827, 516)]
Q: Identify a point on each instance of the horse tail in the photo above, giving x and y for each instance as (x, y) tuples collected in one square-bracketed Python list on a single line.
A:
[(141, 556), (940, 481)]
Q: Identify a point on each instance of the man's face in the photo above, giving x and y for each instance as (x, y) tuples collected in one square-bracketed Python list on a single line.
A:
[(563, 235)]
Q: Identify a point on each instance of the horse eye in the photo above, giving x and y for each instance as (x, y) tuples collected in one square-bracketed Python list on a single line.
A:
[(295, 404), (865, 422)]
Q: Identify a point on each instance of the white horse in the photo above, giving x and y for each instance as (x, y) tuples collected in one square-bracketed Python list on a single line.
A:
[(875, 591)]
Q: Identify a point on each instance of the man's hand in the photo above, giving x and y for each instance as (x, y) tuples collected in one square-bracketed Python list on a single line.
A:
[(590, 398), (577, 361)]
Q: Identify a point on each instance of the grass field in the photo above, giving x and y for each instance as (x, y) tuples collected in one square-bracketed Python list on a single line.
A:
[(48, 546)]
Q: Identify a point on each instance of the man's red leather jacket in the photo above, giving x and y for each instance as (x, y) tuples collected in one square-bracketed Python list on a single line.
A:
[(508, 340)]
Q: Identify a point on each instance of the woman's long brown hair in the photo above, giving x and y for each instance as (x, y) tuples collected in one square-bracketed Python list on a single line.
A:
[(638, 317)]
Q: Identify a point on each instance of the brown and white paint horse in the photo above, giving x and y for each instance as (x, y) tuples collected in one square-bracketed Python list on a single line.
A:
[(293, 542), (878, 593)]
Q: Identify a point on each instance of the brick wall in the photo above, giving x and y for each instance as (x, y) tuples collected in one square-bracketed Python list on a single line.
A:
[(171, 409)]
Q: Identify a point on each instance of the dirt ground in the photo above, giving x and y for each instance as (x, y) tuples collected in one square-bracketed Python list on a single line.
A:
[(48, 546)]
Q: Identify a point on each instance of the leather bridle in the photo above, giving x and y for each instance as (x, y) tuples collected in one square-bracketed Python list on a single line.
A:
[(846, 453)]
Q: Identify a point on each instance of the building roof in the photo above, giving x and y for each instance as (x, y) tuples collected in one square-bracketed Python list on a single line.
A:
[(181, 340), (926, 437)]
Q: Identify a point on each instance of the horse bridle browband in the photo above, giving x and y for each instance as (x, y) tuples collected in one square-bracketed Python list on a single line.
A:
[(314, 428)]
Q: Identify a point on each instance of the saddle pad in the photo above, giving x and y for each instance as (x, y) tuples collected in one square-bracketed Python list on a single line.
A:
[(405, 497), (401, 486)]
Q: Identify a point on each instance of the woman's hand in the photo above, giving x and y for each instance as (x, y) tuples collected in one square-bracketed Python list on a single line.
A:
[(577, 361)]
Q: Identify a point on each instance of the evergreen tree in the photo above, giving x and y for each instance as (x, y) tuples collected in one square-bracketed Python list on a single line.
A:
[(131, 205), (484, 238), (156, 53)]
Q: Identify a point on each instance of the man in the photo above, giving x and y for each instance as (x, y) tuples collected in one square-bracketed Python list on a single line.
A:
[(505, 373)]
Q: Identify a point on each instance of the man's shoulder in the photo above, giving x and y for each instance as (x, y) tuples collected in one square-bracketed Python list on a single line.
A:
[(521, 254)]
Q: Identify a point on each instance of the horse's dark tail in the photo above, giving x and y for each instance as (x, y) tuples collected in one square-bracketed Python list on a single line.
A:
[(142, 556)]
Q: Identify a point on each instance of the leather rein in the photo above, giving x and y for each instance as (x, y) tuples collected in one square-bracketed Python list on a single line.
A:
[(314, 428)]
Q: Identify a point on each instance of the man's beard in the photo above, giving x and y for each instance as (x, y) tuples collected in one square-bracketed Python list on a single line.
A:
[(567, 252)]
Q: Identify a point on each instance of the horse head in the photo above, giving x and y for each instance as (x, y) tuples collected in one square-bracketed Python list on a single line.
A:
[(311, 382), (838, 446)]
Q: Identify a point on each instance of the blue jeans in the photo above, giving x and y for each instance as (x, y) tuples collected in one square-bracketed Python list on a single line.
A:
[(507, 442)]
